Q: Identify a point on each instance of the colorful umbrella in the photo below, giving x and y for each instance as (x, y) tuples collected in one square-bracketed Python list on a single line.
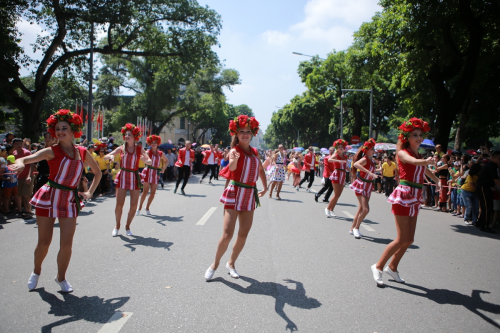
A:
[(385, 146), (428, 144)]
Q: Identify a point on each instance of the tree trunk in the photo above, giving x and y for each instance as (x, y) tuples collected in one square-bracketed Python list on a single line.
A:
[(358, 119)]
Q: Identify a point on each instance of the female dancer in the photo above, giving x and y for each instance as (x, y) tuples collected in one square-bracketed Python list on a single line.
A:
[(102, 188), (240, 197), (128, 178), (277, 173), (59, 198), (363, 183), (407, 197), (444, 173), (338, 174), (150, 173), (295, 169)]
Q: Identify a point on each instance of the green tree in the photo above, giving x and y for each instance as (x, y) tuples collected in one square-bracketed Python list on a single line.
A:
[(181, 30)]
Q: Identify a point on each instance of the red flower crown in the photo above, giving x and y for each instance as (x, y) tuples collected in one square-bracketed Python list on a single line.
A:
[(340, 142), (152, 138), (243, 121), (368, 145), (74, 120), (102, 145), (410, 125), (136, 132)]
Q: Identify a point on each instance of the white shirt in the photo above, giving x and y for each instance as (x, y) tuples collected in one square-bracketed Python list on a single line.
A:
[(187, 160), (313, 160), (211, 158)]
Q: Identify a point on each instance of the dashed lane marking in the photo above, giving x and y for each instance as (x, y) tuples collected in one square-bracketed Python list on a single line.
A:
[(348, 214), (207, 215), (116, 322), (367, 227)]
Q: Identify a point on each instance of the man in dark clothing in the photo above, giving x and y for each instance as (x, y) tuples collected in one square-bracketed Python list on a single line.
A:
[(486, 181)]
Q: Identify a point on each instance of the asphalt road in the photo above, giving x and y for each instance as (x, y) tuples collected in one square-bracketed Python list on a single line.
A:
[(299, 271)]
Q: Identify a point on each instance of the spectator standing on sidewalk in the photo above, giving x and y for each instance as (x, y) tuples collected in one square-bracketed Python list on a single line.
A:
[(486, 181), (389, 172), (24, 179), (171, 163)]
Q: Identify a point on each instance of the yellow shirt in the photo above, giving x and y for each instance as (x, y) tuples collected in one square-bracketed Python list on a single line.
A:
[(114, 172), (470, 183), (388, 170), (141, 164), (94, 155), (101, 162)]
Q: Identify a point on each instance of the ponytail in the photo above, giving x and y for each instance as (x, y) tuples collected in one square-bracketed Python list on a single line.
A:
[(359, 155)]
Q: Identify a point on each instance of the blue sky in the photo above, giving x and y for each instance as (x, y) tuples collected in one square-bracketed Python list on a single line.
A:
[(258, 38)]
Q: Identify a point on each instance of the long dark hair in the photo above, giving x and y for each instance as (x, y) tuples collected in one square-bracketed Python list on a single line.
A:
[(359, 155), (235, 141), (474, 169)]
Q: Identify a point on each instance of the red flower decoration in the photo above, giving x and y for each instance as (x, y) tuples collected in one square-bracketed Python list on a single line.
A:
[(136, 132), (243, 121), (74, 120), (410, 125), (153, 138)]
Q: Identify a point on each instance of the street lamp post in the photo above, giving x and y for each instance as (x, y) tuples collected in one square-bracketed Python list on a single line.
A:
[(342, 96)]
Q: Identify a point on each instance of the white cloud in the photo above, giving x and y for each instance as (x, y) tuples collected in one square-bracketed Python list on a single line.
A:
[(273, 37), (329, 21)]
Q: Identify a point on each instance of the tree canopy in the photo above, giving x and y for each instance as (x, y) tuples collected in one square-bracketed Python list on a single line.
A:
[(425, 58), (179, 30)]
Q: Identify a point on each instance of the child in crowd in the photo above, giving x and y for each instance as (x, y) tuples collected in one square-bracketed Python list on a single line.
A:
[(114, 172)]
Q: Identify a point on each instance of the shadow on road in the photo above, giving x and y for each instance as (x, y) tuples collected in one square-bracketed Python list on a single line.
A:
[(471, 230), (282, 294), (384, 241), (289, 200), (145, 241), (161, 219), (473, 303), (345, 204), (93, 309), (195, 195)]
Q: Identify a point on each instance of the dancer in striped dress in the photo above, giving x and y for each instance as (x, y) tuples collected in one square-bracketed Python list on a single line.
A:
[(241, 197), (407, 197), (59, 197), (363, 183), (338, 174), (151, 172), (128, 178)]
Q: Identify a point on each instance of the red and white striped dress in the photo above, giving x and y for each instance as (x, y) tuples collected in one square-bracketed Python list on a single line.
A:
[(338, 176), (247, 172), (406, 200), (125, 179), (364, 188), (66, 171), (151, 175)]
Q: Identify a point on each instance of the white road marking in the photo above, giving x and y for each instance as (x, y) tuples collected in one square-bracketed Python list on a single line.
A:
[(313, 191), (116, 322), (367, 227), (207, 215), (348, 214)]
